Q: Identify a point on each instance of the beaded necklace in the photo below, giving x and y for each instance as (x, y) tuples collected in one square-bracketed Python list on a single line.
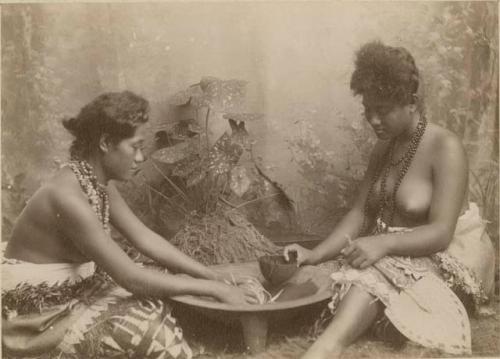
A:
[(383, 169), (95, 192)]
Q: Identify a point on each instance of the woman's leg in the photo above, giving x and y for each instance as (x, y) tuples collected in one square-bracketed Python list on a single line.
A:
[(356, 312)]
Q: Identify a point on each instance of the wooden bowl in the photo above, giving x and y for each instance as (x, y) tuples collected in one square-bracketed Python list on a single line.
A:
[(254, 318), (276, 269)]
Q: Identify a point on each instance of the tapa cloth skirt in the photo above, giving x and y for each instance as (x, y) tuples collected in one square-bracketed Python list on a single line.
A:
[(68, 308), (424, 297)]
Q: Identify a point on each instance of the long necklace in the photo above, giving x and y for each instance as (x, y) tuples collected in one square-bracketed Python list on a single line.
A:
[(95, 192), (382, 172)]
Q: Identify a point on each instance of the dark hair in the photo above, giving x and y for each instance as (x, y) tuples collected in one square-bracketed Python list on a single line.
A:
[(116, 114), (385, 72)]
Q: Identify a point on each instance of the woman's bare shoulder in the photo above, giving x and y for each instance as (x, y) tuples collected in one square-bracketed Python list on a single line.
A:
[(445, 150), (68, 202), (60, 187), (442, 140)]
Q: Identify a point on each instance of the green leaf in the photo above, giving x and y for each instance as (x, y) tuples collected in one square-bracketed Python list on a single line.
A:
[(175, 153)]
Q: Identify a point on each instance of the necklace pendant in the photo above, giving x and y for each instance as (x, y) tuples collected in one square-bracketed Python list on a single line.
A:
[(387, 201), (381, 226)]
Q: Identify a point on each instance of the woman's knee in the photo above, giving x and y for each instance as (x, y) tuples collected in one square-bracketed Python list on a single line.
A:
[(359, 298)]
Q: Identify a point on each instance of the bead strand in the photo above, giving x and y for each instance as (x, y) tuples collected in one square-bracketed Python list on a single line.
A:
[(96, 193), (406, 163), (383, 171)]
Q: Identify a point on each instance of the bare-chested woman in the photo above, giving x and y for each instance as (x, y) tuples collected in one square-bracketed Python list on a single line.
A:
[(63, 232), (403, 226)]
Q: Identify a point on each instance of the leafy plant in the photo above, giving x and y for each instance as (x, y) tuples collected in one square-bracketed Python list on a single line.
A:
[(208, 182), (26, 298), (197, 171)]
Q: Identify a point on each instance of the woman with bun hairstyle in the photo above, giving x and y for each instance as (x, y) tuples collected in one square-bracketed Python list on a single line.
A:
[(53, 297), (413, 252)]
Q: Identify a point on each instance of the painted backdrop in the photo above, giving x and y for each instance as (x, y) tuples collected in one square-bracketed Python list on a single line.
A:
[(297, 58)]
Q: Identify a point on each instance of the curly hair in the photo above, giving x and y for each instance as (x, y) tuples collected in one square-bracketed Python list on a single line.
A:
[(385, 72), (115, 114)]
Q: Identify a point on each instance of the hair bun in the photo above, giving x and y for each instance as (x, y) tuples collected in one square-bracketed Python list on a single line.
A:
[(68, 123), (72, 125)]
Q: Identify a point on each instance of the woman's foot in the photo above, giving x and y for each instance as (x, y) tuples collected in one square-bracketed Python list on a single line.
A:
[(356, 313)]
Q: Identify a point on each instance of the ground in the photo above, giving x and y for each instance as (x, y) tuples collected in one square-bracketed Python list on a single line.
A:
[(293, 340), (211, 339)]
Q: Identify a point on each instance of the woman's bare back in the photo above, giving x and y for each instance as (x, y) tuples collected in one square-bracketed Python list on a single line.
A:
[(37, 236)]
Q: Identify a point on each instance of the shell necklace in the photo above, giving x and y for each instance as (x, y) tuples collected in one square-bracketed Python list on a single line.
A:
[(95, 192)]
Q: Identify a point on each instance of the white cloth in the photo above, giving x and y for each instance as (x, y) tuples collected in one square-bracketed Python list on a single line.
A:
[(15, 272)]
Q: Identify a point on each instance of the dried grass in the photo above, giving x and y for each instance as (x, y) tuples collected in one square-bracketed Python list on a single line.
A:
[(223, 236)]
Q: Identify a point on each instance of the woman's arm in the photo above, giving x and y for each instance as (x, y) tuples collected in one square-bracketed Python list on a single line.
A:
[(77, 221), (348, 227), (149, 243), (449, 181)]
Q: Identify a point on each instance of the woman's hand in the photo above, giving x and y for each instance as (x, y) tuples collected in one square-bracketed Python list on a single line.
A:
[(364, 251), (302, 254), (229, 278), (234, 295)]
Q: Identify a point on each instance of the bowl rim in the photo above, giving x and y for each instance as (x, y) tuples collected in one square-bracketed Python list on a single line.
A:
[(211, 304)]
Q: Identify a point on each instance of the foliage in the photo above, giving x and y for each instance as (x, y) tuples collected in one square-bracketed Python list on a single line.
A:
[(328, 189), (462, 66), (27, 298), (208, 183), (201, 171), (460, 60)]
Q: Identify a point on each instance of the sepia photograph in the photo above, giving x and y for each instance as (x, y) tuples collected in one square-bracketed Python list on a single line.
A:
[(249, 179)]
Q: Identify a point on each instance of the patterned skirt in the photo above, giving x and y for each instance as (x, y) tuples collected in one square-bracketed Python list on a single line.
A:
[(89, 317), (427, 299)]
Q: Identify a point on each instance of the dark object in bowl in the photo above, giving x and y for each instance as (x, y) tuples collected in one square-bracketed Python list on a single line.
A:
[(276, 269), (296, 291)]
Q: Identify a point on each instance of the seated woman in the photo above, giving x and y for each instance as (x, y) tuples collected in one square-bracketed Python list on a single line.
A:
[(404, 250), (52, 296)]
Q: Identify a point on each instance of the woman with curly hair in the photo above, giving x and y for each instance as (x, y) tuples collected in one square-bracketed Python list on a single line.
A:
[(407, 254), (53, 297)]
